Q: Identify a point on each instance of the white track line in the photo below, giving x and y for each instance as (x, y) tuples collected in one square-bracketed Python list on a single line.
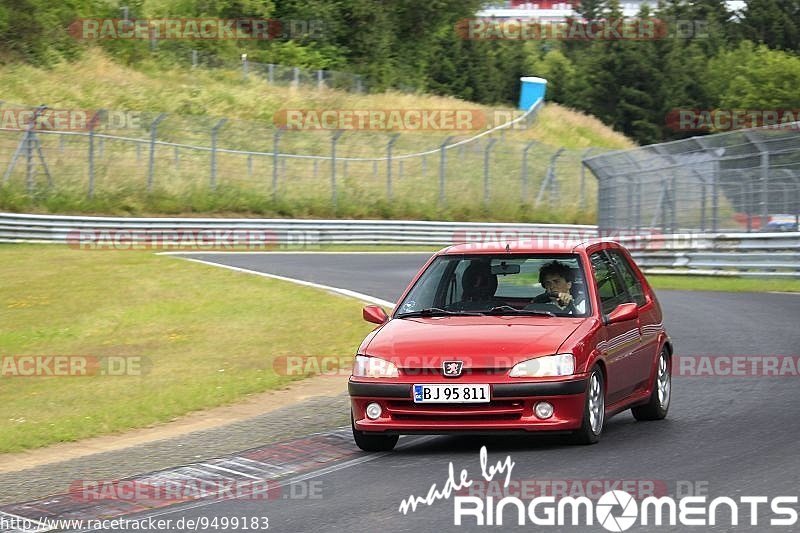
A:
[(289, 252), (344, 292), (302, 477)]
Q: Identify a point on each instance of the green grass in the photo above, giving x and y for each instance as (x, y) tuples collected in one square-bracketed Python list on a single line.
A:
[(195, 99), (728, 284), (208, 337)]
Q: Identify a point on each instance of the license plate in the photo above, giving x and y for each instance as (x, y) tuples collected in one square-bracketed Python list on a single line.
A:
[(451, 393)]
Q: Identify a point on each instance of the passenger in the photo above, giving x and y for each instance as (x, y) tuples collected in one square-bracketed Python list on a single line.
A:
[(479, 285)]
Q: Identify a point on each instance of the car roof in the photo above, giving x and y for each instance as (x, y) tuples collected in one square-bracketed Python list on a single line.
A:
[(526, 246)]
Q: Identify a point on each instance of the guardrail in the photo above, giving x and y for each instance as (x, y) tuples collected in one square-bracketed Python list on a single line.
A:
[(58, 228), (729, 254), (718, 254)]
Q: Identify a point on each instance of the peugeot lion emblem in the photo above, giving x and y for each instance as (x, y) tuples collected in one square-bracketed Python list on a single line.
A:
[(452, 369)]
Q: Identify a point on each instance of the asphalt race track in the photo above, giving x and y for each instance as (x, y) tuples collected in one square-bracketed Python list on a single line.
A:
[(724, 436)]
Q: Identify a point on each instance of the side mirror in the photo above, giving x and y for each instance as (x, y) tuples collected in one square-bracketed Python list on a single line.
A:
[(375, 314), (622, 313)]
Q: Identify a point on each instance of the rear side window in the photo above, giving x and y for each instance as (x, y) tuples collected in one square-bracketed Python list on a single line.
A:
[(609, 287), (629, 279)]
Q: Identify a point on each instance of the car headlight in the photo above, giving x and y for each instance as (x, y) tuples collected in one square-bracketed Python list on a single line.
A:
[(562, 364), (373, 367)]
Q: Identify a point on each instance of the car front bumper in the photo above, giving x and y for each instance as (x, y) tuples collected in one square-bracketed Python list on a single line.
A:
[(511, 408)]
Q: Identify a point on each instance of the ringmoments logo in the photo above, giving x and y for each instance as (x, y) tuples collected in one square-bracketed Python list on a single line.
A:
[(615, 510)]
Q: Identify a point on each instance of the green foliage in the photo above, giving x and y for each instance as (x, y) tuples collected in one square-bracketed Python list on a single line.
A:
[(755, 77), (705, 61)]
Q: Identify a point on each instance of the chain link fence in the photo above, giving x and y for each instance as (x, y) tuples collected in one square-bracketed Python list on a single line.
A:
[(282, 75), (171, 154), (741, 180)]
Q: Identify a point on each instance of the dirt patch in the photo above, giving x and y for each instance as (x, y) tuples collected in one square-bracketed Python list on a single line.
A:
[(211, 418)]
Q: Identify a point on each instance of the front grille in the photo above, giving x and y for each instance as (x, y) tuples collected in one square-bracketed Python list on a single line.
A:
[(494, 410)]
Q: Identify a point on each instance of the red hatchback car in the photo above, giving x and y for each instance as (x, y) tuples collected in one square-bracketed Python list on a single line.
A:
[(511, 337)]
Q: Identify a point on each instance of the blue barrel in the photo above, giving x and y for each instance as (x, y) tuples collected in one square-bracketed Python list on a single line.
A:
[(532, 91)]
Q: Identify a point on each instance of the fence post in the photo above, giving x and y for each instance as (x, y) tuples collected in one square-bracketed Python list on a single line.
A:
[(582, 189), (549, 177), (764, 187), (715, 198), (334, 140), (245, 66), (92, 125), (29, 154), (152, 161), (392, 140), (276, 137), (442, 168), (214, 132), (486, 152), (528, 146)]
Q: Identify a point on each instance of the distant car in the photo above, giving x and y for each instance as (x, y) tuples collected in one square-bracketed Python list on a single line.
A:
[(513, 338), (781, 223)]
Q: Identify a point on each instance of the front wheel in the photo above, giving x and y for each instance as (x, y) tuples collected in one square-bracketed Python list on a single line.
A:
[(657, 406), (594, 410), (372, 443)]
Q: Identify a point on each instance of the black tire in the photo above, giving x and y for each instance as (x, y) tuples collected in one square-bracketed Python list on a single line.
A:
[(587, 435), (372, 442), (657, 405)]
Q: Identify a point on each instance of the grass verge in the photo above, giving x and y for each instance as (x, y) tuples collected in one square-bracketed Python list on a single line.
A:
[(710, 283), (207, 337)]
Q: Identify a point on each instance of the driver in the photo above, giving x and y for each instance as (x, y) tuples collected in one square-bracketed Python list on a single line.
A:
[(556, 278)]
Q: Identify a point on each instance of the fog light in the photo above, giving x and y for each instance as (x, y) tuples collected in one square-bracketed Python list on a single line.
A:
[(374, 411), (543, 410)]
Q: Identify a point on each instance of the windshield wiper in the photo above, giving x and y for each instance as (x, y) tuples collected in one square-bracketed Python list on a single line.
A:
[(508, 310), (436, 311)]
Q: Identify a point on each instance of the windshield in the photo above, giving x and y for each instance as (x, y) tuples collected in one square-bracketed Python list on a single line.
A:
[(502, 284)]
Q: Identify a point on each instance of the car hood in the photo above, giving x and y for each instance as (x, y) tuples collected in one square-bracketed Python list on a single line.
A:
[(481, 341)]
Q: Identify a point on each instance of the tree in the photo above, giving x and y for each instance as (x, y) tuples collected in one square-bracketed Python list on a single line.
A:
[(772, 22)]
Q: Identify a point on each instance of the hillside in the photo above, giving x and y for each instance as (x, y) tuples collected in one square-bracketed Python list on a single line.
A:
[(194, 98)]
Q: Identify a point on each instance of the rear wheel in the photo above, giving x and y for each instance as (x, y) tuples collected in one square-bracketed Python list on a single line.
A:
[(594, 410), (372, 442), (657, 406)]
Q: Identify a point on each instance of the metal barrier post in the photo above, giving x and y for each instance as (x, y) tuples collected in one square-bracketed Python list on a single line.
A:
[(582, 187), (92, 125), (276, 137), (152, 160), (442, 168), (214, 132), (524, 195), (549, 178), (486, 152), (389, 146), (334, 140)]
